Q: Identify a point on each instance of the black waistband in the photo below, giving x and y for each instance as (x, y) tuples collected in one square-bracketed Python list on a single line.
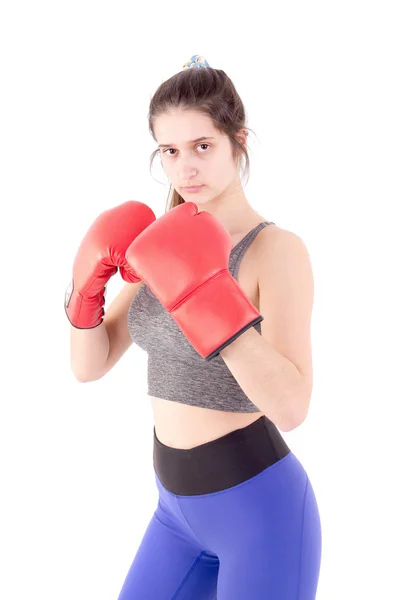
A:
[(221, 463)]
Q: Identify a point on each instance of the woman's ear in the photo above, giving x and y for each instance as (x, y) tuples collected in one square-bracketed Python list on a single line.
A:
[(242, 135)]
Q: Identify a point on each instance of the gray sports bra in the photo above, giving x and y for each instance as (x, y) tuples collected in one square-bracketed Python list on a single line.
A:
[(175, 371)]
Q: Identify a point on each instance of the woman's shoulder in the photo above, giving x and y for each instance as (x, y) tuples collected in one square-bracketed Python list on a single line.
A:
[(276, 241), (272, 234)]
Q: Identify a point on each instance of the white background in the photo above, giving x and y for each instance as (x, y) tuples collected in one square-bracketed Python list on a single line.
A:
[(320, 83)]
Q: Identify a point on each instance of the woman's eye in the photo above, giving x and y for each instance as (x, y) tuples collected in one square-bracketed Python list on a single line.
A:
[(168, 149)]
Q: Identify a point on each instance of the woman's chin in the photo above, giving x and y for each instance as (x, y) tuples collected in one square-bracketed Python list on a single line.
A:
[(198, 198)]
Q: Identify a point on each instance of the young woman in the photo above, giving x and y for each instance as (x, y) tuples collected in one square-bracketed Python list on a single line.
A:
[(220, 298)]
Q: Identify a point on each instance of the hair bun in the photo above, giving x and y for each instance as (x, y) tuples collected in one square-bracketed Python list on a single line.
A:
[(197, 61)]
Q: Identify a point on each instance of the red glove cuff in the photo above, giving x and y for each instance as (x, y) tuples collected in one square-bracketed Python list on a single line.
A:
[(84, 312), (215, 314)]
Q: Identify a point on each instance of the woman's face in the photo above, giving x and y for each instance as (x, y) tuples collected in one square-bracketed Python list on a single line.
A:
[(207, 162)]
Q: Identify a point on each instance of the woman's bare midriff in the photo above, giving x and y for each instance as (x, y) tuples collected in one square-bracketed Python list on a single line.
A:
[(183, 426)]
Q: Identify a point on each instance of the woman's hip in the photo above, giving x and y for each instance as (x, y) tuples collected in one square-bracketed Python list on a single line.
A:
[(222, 463)]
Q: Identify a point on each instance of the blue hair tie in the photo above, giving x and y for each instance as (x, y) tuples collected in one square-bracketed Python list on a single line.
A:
[(197, 62)]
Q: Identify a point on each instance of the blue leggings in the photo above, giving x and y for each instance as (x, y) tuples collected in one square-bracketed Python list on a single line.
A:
[(237, 519)]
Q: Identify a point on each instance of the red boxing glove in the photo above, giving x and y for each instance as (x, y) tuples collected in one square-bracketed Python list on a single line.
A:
[(100, 253), (184, 257)]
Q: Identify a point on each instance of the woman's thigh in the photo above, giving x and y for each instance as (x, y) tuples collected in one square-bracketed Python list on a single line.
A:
[(167, 566), (266, 533), (284, 564)]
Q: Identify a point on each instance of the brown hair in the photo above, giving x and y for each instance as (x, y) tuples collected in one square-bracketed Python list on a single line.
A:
[(210, 92)]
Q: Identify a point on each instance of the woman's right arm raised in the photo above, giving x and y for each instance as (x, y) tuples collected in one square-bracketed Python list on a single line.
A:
[(98, 339), (95, 351)]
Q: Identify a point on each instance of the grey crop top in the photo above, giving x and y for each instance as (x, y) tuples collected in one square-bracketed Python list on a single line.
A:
[(175, 370)]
